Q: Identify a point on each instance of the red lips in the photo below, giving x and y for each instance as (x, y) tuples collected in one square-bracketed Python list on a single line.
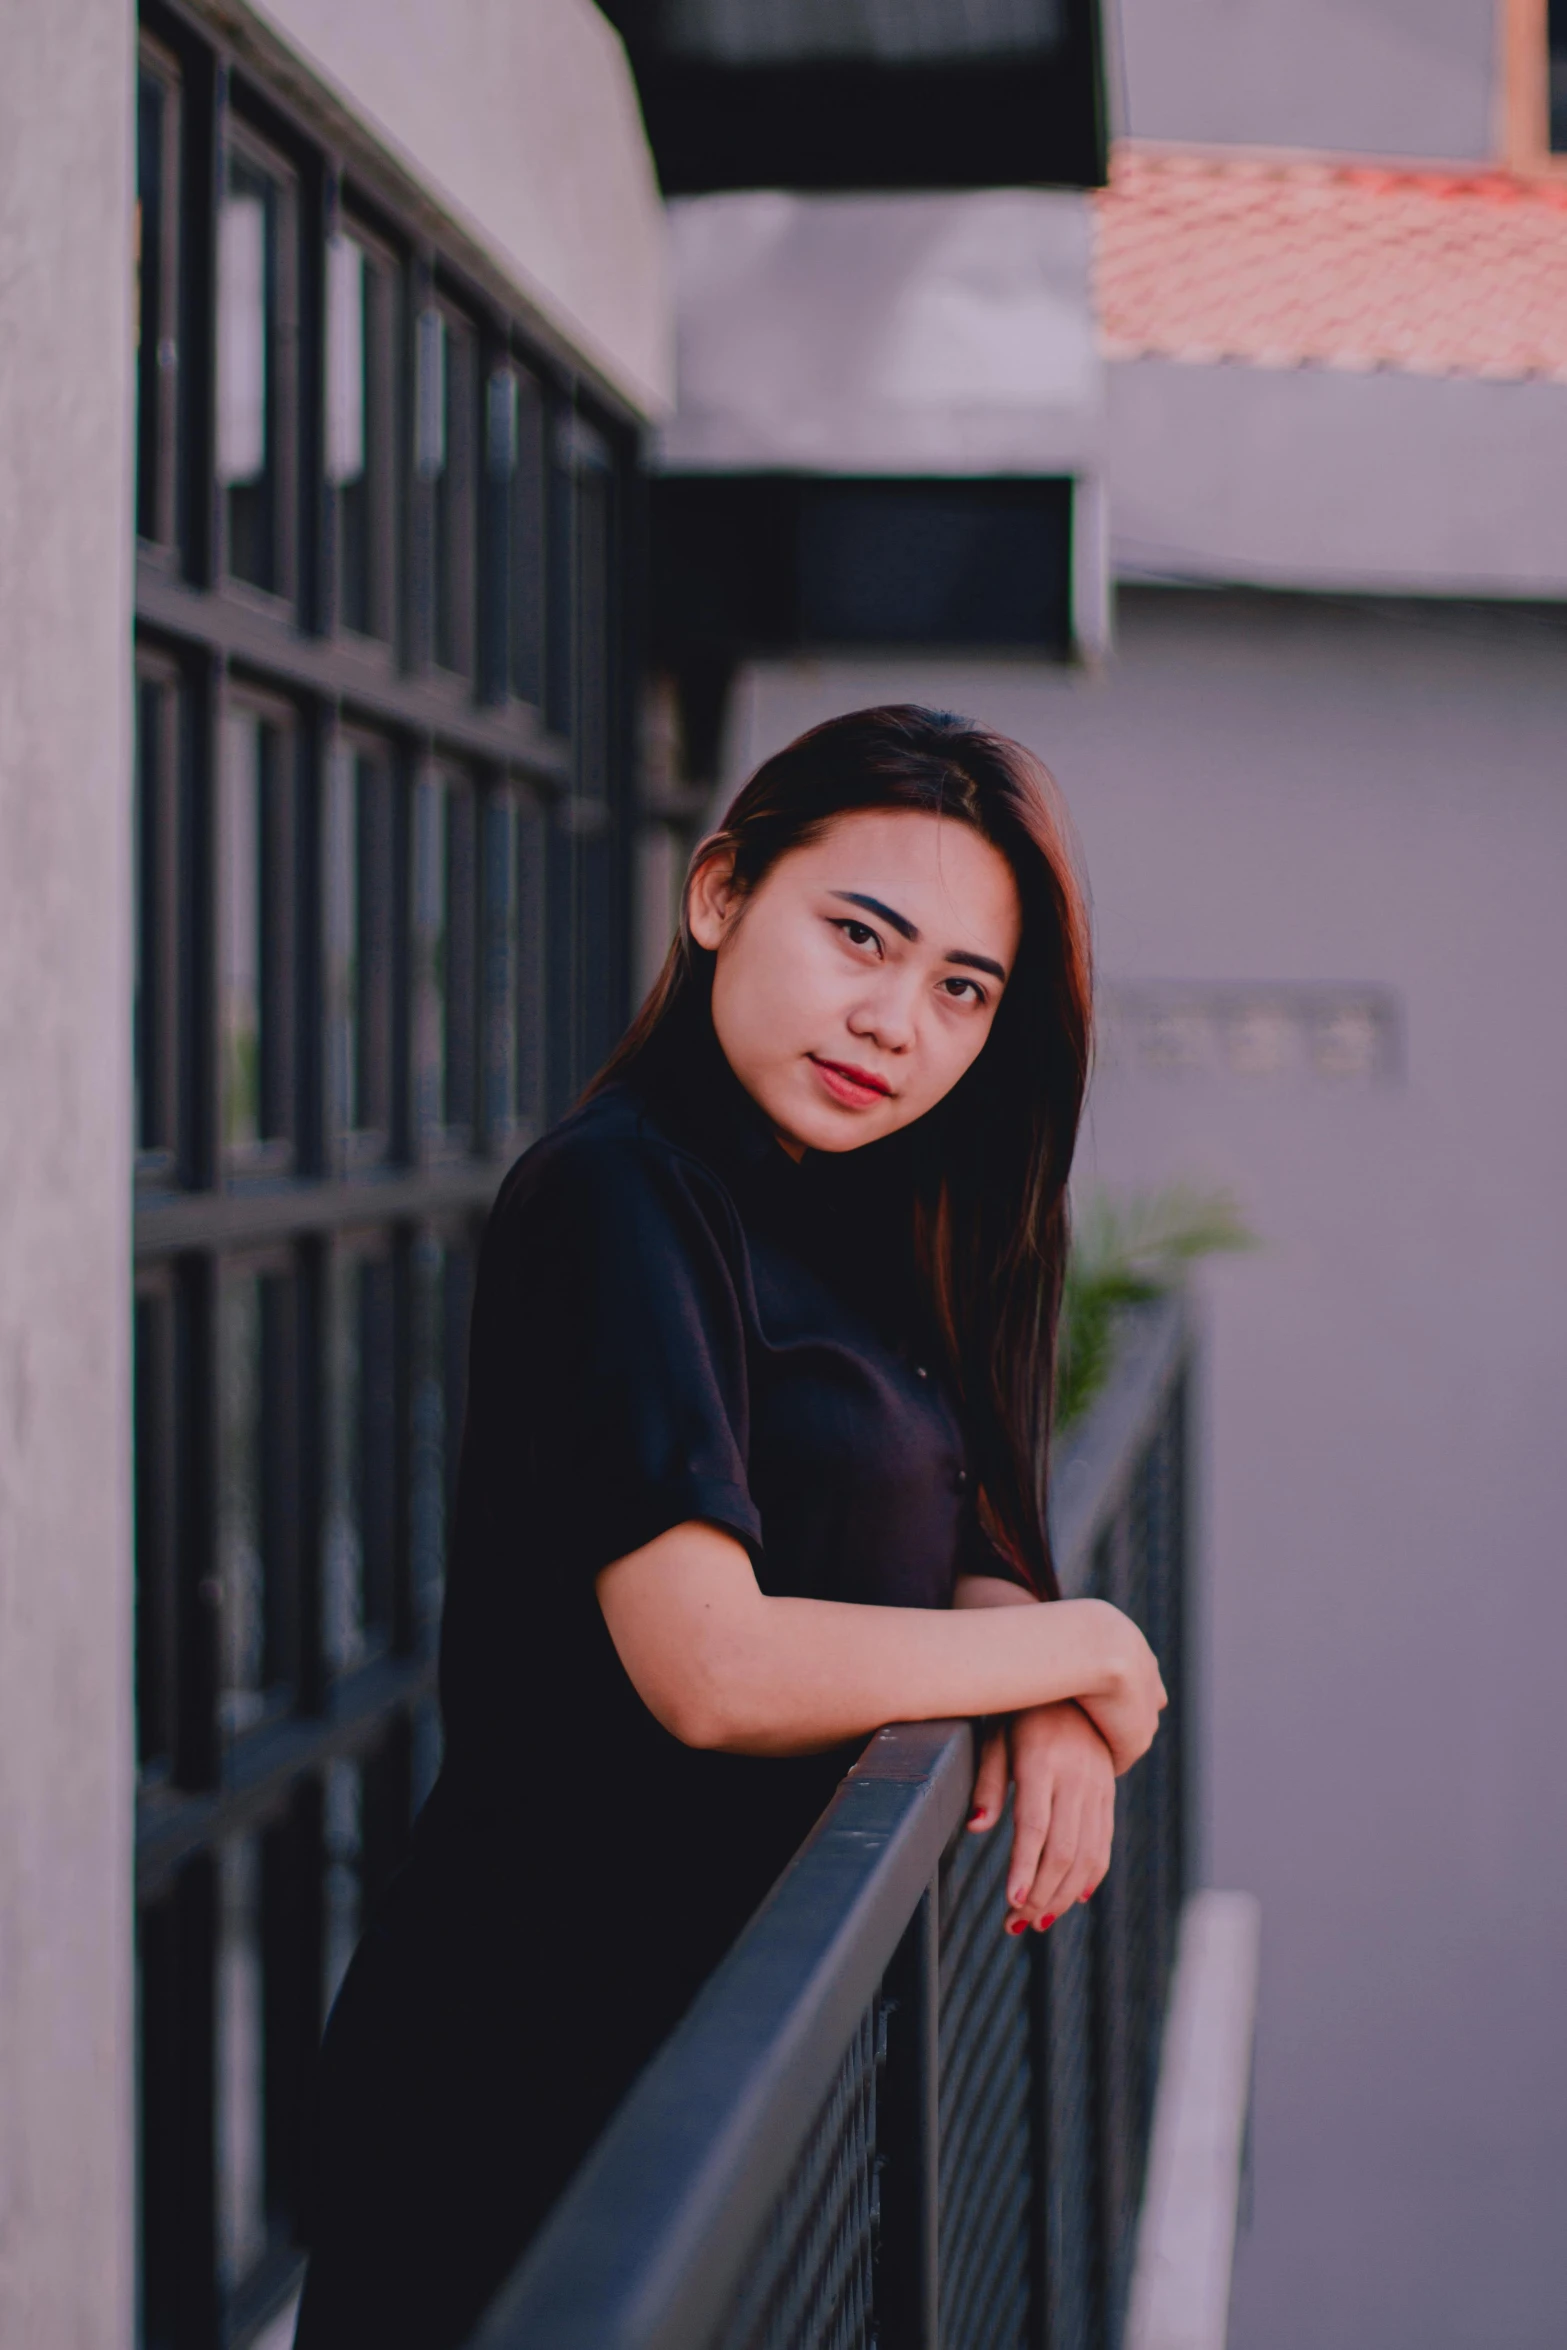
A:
[(866, 1077)]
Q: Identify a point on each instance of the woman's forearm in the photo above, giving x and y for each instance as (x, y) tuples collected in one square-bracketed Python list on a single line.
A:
[(723, 1665)]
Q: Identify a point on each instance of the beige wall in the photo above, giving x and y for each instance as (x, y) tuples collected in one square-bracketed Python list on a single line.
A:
[(1317, 478), (65, 903), (1280, 793), (1375, 77), (520, 117)]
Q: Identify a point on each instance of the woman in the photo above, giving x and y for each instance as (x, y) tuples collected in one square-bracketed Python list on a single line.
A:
[(759, 1395)]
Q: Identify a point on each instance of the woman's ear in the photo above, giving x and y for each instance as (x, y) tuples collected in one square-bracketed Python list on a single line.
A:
[(712, 900)]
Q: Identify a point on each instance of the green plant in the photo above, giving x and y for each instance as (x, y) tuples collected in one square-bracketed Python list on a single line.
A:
[(1124, 1252)]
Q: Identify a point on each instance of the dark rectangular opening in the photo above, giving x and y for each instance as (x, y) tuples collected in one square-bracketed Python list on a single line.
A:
[(776, 563), (955, 94)]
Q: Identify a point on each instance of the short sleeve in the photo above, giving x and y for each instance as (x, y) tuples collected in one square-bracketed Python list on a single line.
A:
[(629, 1276)]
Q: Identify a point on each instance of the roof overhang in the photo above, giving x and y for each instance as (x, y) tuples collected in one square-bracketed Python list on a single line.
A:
[(868, 94)]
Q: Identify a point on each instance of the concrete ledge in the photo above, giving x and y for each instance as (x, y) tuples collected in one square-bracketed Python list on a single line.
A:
[(1186, 2237)]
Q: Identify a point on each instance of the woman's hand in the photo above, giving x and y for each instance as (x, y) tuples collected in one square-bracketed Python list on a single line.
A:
[(1125, 1706), (1121, 1693), (1063, 1809)]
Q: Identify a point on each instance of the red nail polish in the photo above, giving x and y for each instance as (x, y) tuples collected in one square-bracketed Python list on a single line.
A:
[(1017, 1925), (1085, 1897), (976, 1815), (1043, 1922)]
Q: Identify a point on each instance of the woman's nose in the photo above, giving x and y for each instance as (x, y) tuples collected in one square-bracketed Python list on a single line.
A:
[(887, 1016)]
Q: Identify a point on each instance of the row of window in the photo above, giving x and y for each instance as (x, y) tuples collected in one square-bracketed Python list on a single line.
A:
[(382, 780), (373, 921), (239, 1960), (325, 424), (298, 1410)]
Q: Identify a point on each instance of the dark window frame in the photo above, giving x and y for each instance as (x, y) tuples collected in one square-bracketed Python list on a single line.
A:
[(158, 310), (410, 1205)]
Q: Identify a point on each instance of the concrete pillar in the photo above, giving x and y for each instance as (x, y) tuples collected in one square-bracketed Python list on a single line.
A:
[(66, 222)]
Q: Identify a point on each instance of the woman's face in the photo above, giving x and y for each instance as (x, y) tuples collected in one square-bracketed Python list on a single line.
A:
[(859, 979)]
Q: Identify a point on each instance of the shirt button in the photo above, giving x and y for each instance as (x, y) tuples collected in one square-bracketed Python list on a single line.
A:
[(920, 1371), (962, 1479)]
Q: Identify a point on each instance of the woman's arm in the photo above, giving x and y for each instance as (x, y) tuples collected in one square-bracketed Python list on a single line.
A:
[(1063, 1780), (722, 1665)]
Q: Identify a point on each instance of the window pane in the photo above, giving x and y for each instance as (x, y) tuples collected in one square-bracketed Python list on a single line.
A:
[(253, 355), (514, 840), (461, 959), (360, 1556), (429, 952), (240, 2053), (526, 545), (345, 361), (427, 1488), (157, 249), (500, 965), (240, 1569), (361, 297), (156, 1602), (532, 868), (257, 869), (362, 948), (258, 1492), (446, 916), (342, 1788), (156, 985), (449, 458)]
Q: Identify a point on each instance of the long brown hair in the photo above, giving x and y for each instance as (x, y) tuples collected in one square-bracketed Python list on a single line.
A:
[(984, 1173)]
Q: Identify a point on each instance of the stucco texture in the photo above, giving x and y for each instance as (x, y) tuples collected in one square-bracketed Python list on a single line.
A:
[(520, 117), (66, 111)]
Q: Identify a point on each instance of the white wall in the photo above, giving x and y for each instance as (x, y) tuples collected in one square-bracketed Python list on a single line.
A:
[(66, 112), (1273, 791), (1375, 77), (1312, 477), (943, 334), (520, 117)]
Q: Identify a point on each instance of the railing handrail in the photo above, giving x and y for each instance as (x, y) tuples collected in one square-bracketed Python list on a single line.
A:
[(708, 2134), (646, 2246), (1102, 1450)]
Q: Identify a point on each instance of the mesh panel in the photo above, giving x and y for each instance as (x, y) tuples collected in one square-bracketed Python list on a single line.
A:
[(1046, 2051), (986, 2159), (1069, 2151), (808, 2286)]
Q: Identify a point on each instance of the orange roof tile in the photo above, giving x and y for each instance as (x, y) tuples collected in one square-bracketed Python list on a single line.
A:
[(1283, 261)]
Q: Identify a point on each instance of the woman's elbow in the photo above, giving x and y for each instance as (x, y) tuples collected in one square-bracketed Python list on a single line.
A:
[(708, 1706), (698, 1718)]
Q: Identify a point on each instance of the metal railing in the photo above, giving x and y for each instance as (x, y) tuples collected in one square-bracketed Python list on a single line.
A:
[(884, 2122)]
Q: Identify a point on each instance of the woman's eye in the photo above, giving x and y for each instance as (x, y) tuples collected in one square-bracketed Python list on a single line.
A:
[(858, 934), (961, 988)]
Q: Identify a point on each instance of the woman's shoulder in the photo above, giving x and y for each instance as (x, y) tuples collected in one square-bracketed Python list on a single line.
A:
[(610, 1159)]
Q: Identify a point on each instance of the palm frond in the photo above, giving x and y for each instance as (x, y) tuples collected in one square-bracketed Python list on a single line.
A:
[(1125, 1251)]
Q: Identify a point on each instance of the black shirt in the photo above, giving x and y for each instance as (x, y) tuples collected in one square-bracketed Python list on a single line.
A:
[(673, 1320)]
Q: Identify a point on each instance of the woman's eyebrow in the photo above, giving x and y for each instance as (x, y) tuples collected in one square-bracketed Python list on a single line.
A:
[(900, 922), (906, 929)]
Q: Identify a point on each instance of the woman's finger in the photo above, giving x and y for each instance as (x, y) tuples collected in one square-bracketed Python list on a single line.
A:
[(1031, 1826), (1058, 1878), (990, 1782)]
